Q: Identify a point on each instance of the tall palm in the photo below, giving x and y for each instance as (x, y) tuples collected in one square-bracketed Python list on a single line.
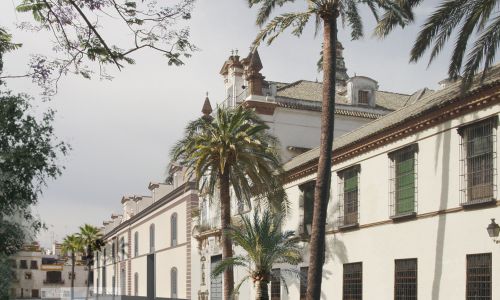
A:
[(467, 18), (91, 238), (232, 150), (265, 245), (326, 13), (72, 244)]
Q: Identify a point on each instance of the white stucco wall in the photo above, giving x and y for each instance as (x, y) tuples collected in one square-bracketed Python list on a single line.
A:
[(439, 237)]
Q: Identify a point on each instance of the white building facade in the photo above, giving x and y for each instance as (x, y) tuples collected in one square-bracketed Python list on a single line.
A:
[(37, 275), (414, 185)]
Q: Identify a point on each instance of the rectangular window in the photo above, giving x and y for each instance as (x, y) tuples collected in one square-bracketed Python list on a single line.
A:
[(35, 293), (122, 248), (275, 284), (303, 282), (13, 263), (34, 265), (307, 203), (405, 279), (113, 251), (478, 286), (404, 181), (23, 264), (363, 97), (348, 196), (353, 282), (478, 152)]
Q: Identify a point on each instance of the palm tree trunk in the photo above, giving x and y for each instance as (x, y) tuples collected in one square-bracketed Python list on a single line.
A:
[(322, 189), (227, 245), (261, 290), (72, 275)]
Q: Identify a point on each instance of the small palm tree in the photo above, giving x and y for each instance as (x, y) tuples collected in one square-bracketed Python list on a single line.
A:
[(91, 239), (326, 13), (232, 150), (467, 18), (72, 244), (265, 245)]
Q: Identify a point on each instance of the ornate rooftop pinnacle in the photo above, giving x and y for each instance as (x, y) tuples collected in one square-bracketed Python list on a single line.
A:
[(207, 108), (341, 75)]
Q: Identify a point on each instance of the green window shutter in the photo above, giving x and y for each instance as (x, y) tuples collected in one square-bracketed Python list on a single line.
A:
[(405, 185), (351, 184)]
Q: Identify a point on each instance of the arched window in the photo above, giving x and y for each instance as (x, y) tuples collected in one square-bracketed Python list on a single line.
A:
[(173, 230), (136, 243), (136, 284), (173, 283), (122, 248), (152, 238)]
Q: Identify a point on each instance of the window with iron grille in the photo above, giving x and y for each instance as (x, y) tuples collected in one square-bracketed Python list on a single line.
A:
[(403, 185), (353, 282), (307, 205), (275, 284), (113, 255), (34, 265), (23, 264), (363, 97), (303, 282), (349, 196), (136, 243), (478, 285), (405, 279), (478, 156)]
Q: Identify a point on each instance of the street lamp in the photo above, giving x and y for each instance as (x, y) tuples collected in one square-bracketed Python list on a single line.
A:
[(493, 230)]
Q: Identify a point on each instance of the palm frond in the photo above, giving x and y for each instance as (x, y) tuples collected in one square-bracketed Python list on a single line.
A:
[(280, 23), (396, 13), (484, 49)]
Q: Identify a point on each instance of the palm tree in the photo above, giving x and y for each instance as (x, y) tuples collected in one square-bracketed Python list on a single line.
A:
[(265, 246), (467, 18), (234, 151), (326, 13), (72, 244), (91, 238)]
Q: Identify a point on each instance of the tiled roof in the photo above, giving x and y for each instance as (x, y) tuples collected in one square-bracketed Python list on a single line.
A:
[(340, 109), (312, 91), (430, 101)]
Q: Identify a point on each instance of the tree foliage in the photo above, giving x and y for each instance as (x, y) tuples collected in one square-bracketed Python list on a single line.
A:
[(468, 19), (80, 37), (28, 159), (236, 140), (265, 245)]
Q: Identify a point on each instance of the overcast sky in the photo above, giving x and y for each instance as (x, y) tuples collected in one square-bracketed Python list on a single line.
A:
[(121, 130)]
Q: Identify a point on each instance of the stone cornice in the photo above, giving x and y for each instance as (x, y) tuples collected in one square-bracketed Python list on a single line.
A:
[(454, 108), (179, 191)]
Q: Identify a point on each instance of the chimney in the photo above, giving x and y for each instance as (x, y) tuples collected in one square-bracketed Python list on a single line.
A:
[(253, 77), (128, 207), (448, 81)]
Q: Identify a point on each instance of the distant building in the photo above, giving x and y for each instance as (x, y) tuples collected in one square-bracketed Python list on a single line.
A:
[(37, 275), (148, 246)]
